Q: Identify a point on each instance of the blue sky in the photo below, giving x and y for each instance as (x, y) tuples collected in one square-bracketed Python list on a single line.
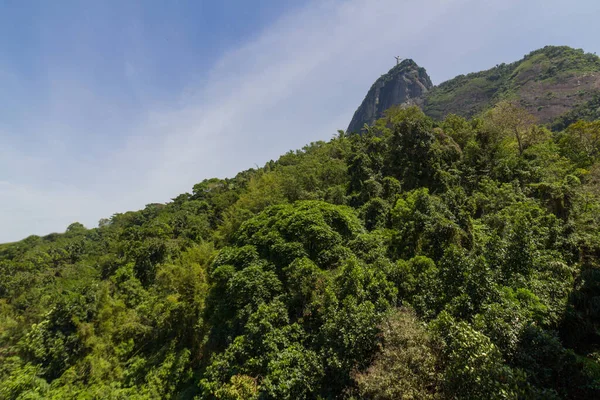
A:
[(106, 106)]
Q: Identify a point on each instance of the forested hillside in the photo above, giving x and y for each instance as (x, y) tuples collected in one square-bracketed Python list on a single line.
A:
[(548, 83), (452, 259), (558, 85)]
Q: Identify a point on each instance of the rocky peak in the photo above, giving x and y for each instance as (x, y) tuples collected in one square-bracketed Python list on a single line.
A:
[(405, 84)]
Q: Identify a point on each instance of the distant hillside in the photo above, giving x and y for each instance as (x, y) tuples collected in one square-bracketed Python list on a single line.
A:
[(558, 85), (548, 82)]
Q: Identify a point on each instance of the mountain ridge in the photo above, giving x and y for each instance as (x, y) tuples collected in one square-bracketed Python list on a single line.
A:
[(549, 83)]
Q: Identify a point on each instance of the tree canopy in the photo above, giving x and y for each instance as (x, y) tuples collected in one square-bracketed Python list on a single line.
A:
[(454, 259)]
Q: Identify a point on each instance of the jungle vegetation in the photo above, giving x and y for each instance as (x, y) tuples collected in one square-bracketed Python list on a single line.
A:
[(422, 259)]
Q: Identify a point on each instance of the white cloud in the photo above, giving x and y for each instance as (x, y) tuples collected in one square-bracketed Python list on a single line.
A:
[(298, 81)]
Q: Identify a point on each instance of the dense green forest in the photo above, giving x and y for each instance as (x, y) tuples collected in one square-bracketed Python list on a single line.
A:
[(453, 259)]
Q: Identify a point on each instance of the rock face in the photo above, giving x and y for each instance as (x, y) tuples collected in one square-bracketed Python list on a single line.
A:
[(557, 85), (405, 84)]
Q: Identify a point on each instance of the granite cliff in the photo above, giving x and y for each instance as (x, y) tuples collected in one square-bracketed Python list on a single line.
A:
[(405, 84), (556, 84)]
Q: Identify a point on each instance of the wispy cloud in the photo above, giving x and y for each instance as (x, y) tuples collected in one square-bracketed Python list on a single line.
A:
[(298, 81)]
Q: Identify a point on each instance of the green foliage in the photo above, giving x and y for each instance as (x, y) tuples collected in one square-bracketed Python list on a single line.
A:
[(455, 259), (588, 111), (581, 143), (473, 365), (423, 224), (406, 367)]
